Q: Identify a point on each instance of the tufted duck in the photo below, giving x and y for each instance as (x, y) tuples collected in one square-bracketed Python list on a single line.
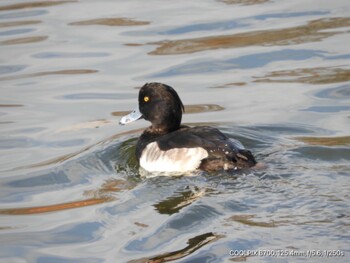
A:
[(168, 146)]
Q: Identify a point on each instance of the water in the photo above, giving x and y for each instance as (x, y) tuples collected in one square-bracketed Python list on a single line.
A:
[(273, 74)]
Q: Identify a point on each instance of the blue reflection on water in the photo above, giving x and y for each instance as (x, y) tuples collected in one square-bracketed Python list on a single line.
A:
[(16, 31), (344, 56), (52, 178), (340, 92), (287, 15), (231, 24), (326, 109), (224, 25), (23, 14), (46, 55), (93, 96), (243, 62), (25, 142), (6, 69)]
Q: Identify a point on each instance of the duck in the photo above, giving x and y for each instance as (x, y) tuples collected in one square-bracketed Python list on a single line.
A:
[(169, 146)]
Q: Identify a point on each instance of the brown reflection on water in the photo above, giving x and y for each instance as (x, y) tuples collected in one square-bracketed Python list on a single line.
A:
[(311, 32), (232, 84), (321, 75), (244, 2), (85, 125), (23, 40), (110, 186), (10, 105), (175, 203), (110, 22), (98, 196), (46, 73), (199, 108), (34, 5), (55, 207), (19, 23), (194, 244), (248, 220), (120, 113), (325, 141)]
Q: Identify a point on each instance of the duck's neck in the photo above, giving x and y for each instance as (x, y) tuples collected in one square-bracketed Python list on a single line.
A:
[(161, 130)]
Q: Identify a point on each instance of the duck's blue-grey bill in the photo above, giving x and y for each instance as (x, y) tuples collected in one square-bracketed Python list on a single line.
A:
[(132, 116)]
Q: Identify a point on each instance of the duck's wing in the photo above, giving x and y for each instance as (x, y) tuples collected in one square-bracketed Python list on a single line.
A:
[(221, 149)]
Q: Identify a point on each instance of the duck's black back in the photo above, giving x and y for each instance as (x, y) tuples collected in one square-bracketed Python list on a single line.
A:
[(223, 153)]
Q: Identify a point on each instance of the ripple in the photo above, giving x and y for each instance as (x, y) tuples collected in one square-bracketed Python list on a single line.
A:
[(16, 31), (327, 109), (24, 40), (194, 244), (7, 69), (221, 25), (248, 220), (28, 5), (25, 142), (47, 73), (10, 105), (53, 208), (49, 55), (256, 60), (178, 201), (200, 108), (341, 92), (19, 23), (324, 153), (23, 14), (319, 75), (311, 32), (110, 22), (326, 141), (99, 96), (244, 2)]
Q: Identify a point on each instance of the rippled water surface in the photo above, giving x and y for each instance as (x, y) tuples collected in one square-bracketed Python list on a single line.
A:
[(273, 74)]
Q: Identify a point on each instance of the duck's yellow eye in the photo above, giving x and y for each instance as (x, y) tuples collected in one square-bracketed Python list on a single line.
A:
[(146, 99)]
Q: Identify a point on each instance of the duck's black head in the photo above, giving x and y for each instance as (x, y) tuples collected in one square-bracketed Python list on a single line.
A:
[(159, 104)]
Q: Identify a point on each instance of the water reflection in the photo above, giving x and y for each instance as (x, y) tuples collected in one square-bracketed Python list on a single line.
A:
[(194, 244), (69, 177), (52, 208), (19, 23), (244, 2), (28, 5), (319, 75), (340, 93), (223, 25), (46, 73), (178, 201), (311, 32), (110, 22), (327, 109), (23, 40), (55, 55), (16, 31), (255, 60), (326, 141), (23, 14)]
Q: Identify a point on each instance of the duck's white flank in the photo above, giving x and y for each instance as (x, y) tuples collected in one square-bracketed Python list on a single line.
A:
[(174, 160)]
